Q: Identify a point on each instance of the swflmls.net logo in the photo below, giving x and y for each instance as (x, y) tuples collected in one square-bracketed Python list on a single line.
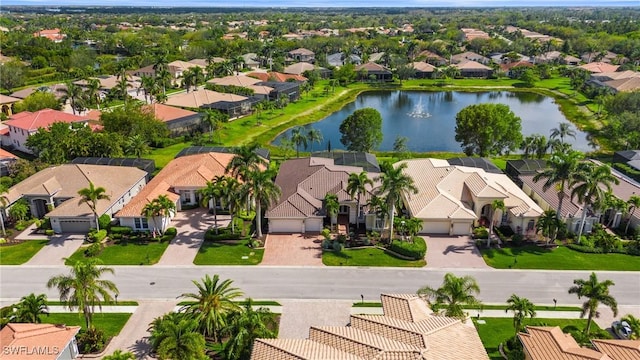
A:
[(30, 350)]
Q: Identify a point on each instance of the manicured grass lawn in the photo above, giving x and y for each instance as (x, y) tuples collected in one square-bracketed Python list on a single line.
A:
[(120, 303), (561, 258), (164, 155), (216, 253), (484, 307), (498, 330), (367, 257), (127, 253), (20, 253), (110, 323)]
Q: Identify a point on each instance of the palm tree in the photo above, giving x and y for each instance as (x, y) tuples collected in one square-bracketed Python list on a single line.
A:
[(163, 77), (299, 138), (597, 293), (246, 326), (332, 206), (122, 85), (83, 288), (521, 308), (454, 294), (548, 224), (93, 91), (245, 161), (563, 131), (187, 79), (634, 203), (634, 324), (31, 308), (91, 196), (314, 135), (265, 192), (149, 86), (137, 146), (496, 205), (378, 205), (395, 183), (214, 191), (162, 207), (212, 304), (559, 173), (119, 355), (151, 210), (590, 185), (212, 119), (75, 95), (234, 197), (198, 76), (176, 337), (356, 186)]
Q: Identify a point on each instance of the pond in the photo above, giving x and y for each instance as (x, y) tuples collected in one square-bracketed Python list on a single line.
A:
[(428, 119)]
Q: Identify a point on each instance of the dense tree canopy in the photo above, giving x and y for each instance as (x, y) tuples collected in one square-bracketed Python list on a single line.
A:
[(37, 101), (362, 130), (488, 129), (133, 119)]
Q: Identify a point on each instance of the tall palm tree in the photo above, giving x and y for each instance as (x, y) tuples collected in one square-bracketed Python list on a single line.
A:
[(634, 324), (176, 337), (454, 294), (92, 93), (379, 206), (91, 196), (151, 210), (214, 192), (614, 205), (496, 205), (76, 97), (164, 78), (137, 146), (560, 172), (198, 76), (394, 184), (150, 86), (212, 119), (563, 131), (634, 204), (245, 161), (314, 135), (31, 308), (332, 206), (265, 192), (122, 85), (84, 288), (161, 207), (356, 186), (246, 326), (211, 304), (590, 185), (187, 79), (548, 224), (234, 197), (597, 293), (522, 308), (299, 138)]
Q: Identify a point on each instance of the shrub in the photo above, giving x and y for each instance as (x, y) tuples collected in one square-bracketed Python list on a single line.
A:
[(116, 236), (45, 224), (223, 234), (97, 236), (126, 230), (416, 249), (171, 231), (342, 238), (337, 246), (93, 250), (326, 244), (517, 239), (326, 234), (91, 340), (246, 217), (104, 221), (480, 232), (49, 232)]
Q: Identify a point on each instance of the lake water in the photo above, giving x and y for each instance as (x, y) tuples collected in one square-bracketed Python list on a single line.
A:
[(428, 119)]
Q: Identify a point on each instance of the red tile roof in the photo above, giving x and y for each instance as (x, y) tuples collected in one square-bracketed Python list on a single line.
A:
[(166, 113), (42, 119), (4, 154), (35, 341), (276, 76)]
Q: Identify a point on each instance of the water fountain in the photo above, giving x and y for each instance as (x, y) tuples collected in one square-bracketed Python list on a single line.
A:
[(418, 111)]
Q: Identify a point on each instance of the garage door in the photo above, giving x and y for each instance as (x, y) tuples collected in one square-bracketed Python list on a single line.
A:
[(313, 225), (435, 227), (461, 229), (74, 226), (285, 226)]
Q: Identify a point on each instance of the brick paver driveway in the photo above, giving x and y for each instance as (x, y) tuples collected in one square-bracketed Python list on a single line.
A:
[(453, 252), (293, 249)]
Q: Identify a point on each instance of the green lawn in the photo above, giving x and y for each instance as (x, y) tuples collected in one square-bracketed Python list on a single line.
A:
[(216, 253), (484, 307), (367, 257), (498, 330), (20, 253), (162, 156), (120, 303), (127, 253), (110, 323)]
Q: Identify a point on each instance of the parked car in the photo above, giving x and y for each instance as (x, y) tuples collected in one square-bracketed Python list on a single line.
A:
[(621, 329)]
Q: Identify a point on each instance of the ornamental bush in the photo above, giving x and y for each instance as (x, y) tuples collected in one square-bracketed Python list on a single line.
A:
[(416, 249)]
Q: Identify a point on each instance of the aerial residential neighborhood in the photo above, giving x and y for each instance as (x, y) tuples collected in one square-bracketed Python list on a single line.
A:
[(187, 182)]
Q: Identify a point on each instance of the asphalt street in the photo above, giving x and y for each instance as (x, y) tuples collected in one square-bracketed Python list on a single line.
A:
[(288, 282)]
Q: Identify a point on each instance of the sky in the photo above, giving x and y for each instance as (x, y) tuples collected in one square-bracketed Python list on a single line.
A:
[(326, 3)]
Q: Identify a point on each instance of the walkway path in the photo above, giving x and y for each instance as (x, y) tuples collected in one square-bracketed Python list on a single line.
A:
[(191, 226)]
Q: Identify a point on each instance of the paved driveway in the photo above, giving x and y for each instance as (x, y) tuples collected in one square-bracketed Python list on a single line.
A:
[(453, 252), (58, 248), (299, 315), (293, 249), (191, 226)]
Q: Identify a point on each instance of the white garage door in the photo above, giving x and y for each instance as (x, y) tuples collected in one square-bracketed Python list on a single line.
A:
[(313, 225), (75, 226), (285, 226), (461, 229), (435, 227)]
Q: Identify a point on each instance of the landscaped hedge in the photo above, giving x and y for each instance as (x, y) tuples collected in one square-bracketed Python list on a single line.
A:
[(223, 234), (171, 231), (121, 230), (628, 249), (416, 249), (98, 236), (628, 170)]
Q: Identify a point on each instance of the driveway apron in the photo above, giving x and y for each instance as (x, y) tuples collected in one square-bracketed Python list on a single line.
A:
[(445, 252), (293, 249), (58, 248)]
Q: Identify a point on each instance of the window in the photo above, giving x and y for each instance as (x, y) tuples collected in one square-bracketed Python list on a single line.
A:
[(531, 225), (141, 223)]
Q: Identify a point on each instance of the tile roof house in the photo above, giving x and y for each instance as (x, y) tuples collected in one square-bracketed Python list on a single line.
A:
[(599, 67), (423, 69), (452, 198), (545, 343), (231, 104), (108, 82), (470, 34), (24, 124), (605, 57), (302, 54), (302, 67), (304, 183), (407, 330), (54, 35), (6, 159), (53, 192), (39, 341), (180, 181), (276, 76), (472, 68), (178, 121), (371, 71), (432, 58), (6, 104), (469, 56)]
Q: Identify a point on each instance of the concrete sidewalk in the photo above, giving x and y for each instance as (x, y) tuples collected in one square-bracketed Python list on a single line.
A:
[(129, 309)]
